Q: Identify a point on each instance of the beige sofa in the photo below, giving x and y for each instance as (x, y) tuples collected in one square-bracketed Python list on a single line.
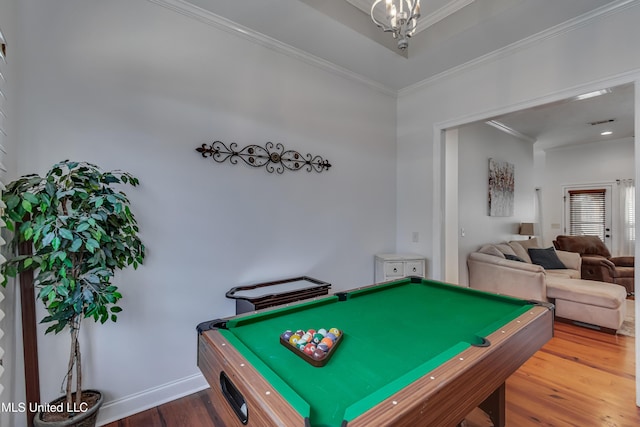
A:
[(594, 304)]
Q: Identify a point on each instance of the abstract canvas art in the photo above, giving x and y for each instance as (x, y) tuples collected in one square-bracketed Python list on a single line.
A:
[(501, 188)]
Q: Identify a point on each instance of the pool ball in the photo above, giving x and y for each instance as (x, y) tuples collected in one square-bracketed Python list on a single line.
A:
[(301, 343), (322, 346), (293, 339), (307, 337), (309, 349), (300, 332), (319, 354), (327, 341), (311, 331), (322, 331), (317, 338), (286, 335), (331, 336), (335, 331)]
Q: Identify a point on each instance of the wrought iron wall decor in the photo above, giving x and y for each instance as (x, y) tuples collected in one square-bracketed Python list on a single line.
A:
[(272, 156)]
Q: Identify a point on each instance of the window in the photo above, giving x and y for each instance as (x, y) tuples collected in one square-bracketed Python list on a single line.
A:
[(587, 213)]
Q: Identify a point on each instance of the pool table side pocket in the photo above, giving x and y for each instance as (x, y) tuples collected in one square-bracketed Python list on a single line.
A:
[(265, 407)]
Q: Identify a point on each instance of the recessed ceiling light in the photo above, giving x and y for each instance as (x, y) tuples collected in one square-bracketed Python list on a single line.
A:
[(606, 132), (592, 94)]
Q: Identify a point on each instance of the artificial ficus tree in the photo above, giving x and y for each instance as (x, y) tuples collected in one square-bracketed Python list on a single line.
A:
[(82, 230)]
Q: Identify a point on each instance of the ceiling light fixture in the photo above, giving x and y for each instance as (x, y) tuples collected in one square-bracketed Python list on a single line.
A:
[(401, 19), (606, 132), (592, 94)]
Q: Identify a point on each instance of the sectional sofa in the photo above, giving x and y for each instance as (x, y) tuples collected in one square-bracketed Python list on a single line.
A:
[(508, 268)]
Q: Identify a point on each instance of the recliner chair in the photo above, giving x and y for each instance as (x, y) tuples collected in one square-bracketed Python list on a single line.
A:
[(597, 262)]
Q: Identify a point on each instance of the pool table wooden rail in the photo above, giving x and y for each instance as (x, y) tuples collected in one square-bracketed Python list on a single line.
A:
[(474, 378), (441, 398), (266, 406)]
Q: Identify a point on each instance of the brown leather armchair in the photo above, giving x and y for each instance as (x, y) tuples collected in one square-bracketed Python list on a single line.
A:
[(597, 262)]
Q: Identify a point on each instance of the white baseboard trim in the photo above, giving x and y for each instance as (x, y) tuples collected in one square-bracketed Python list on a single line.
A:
[(138, 402)]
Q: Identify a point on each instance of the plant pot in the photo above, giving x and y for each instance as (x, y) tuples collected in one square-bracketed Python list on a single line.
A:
[(91, 402)]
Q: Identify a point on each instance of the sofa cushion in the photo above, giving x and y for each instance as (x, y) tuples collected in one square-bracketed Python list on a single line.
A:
[(505, 249), (565, 272), (547, 258), (584, 245), (590, 292), (520, 251), (491, 250)]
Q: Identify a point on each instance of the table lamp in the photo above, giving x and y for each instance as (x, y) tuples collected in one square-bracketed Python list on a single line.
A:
[(526, 229)]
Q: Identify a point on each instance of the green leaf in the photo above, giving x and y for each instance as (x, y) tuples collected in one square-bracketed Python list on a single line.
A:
[(47, 239), (85, 226), (26, 205), (66, 234), (55, 243), (99, 201), (11, 201), (77, 243), (92, 245), (28, 233)]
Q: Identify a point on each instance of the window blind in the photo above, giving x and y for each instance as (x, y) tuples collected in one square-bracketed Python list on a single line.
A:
[(3, 136), (587, 212)]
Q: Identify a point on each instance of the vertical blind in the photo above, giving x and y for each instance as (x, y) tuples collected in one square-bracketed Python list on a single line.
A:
[(3, 136), (587, 212)]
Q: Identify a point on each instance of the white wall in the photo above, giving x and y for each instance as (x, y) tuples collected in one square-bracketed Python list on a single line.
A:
[(542, 70), (476, 144), (129, 84), (597, 53), (583, 164)]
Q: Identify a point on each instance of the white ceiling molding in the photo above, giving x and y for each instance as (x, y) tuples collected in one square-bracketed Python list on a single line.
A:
[(184, 7), (613, 7), (187, 9)]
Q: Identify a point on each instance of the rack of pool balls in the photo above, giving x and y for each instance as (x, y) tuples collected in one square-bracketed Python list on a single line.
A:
[(314, 346)]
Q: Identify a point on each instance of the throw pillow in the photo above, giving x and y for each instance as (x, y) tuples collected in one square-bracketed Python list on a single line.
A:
[(514, 258), (491, 250), (505, 249), (547, 258), (520, 251)]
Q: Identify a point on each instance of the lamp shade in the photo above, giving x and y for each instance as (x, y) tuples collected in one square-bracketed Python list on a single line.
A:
[(526, 229)]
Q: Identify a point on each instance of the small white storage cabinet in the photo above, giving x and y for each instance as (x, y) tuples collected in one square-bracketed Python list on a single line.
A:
[(396, 266)]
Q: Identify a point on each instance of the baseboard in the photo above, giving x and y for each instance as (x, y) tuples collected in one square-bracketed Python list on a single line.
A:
[(132, 404)]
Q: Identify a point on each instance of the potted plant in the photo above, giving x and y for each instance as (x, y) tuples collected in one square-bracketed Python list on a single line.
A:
[(81, 230)]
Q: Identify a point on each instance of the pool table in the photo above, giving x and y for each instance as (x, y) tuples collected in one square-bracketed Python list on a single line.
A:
[(413, 352)]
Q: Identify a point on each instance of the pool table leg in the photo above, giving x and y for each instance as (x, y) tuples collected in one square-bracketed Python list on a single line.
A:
[(494, 406)]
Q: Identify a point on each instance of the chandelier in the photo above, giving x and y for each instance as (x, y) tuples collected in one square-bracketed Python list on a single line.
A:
[(401, 19)]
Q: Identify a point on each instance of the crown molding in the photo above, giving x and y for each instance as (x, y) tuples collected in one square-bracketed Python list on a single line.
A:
[(187, 9), (558, 30), (209, 18)]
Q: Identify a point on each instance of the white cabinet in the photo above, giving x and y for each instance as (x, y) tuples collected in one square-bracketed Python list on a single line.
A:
[(396, 266)]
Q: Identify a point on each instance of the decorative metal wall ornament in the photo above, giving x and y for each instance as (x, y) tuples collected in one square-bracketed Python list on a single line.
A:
[(272, 156)]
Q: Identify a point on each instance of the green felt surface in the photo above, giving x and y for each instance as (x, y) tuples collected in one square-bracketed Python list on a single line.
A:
[(393, 334)]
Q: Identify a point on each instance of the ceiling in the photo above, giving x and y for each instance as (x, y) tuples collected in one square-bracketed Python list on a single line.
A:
[(575, 121), (450, 33)]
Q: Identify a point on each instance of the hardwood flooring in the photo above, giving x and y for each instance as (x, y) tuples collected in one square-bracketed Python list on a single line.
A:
[(581, 378)]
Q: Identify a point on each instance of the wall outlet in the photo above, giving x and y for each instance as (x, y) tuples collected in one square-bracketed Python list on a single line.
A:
[(415, 237), (462, 232)]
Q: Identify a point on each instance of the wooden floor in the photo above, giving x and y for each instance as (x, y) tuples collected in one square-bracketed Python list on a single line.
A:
[(580, 378)]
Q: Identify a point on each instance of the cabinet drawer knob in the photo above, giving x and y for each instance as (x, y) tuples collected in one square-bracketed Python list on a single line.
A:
[(395, 270)]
